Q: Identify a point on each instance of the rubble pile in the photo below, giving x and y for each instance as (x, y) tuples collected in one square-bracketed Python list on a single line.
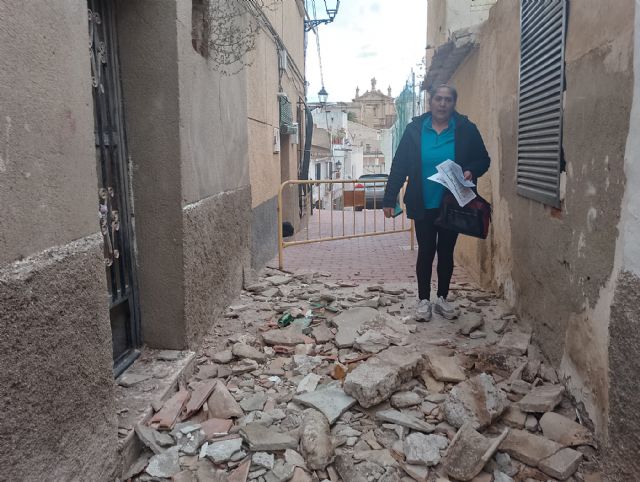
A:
[(311, 380)]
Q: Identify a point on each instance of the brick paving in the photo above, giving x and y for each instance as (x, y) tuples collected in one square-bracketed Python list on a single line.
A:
[(383, 258)]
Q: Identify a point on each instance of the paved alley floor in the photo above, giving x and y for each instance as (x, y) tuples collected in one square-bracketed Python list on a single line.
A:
[(381, 258), (314, 377)]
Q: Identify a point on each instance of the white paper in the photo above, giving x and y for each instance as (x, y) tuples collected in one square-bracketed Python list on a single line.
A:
[(450, 175)]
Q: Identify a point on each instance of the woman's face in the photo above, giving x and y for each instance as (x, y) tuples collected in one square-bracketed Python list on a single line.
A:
[(442, 105)]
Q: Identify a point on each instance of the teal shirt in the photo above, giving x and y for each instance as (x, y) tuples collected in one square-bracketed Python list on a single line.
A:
[(436, 148)]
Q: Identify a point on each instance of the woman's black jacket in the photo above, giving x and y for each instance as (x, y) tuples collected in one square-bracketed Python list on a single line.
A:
[(470, 153)]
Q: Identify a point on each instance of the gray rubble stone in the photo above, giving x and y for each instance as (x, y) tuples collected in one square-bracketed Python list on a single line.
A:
[(286, 337), (405, 399), (350, 322), (470, 322), (531, 423), (262, 439), (404, 420), (164, 465), (254, 402), (514, 417), (418, 473), (562, 464), (565, 431), (515, 343), (375, 380), (242, 350), (294, 458), (322, 334), (362, 472), (501, 477), (223, 357), (423, 449), (128, 380), (477, 400), (308, 383), (332, 402), (223, 450), (279, 280), (542, 398), (282, 472), (371, 341), (315, 440), (305, 364), (149, 437), (263, 459), (381, 457), (445, 368), (465, 457), (527, 447)]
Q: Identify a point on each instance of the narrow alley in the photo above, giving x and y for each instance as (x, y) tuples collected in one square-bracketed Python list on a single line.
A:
[(319, 240)]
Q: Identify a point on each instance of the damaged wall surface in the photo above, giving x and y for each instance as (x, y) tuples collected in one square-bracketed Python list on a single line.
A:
[(58, 415), (555, 266)]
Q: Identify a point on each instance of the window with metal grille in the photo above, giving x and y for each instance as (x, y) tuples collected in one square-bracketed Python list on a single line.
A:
[(542, 40)]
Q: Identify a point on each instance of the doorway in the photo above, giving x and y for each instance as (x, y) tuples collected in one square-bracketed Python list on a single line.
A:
[(114, 189)]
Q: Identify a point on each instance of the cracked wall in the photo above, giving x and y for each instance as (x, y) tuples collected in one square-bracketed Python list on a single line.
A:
[(557, 266)]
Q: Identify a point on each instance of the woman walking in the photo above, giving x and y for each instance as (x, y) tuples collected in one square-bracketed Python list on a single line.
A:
[(430, 139)]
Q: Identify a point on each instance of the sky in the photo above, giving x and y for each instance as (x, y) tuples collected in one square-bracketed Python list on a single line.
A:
[(384, 39)]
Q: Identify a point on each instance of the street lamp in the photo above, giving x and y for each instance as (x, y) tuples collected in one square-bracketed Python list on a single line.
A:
[(322, 96)]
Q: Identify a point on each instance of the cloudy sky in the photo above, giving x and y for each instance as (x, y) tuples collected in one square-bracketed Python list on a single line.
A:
[(369, 38)]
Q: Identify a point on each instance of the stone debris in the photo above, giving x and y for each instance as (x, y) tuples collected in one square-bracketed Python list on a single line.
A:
[(332, 402), (469, 452), (478, 400), (515, 343), (305, 385), (565, 431), (543, 398), (315, 440), (420, 449), (404, 420), (562, 464), (528, 448), (445, 369)]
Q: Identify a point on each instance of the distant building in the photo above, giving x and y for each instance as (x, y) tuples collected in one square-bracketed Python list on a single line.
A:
[(373, 108)]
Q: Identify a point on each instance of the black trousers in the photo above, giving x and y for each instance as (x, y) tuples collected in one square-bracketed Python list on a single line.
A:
[(432, 240)]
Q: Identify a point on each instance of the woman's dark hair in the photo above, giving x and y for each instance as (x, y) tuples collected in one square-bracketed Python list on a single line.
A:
[(454, 92)]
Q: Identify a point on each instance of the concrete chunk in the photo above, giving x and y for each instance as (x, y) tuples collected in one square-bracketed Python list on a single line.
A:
[(515, 343), (468, 453), (543, 398), (349, 324), (404, 420), (165, 464), (222, 450), (528, 448), (315, 440), (222, 404), (375, 380), (445, 369), (561, 465), (263, 439), (423, 449), (565, 431), (332, 402), (477, 400)]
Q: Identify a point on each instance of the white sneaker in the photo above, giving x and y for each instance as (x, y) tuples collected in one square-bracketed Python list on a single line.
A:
[(444, 308), (423, 310)]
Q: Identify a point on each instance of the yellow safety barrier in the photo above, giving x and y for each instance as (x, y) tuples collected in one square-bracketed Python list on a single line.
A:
[(363, 195)]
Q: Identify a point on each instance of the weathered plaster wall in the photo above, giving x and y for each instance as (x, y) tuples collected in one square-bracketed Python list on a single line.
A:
[(58, 413), (58, 417), (555, 265), (213, 111), (188, 143), (216, 251), (269, 170), (149, 70), (48, 184), (624, 331)]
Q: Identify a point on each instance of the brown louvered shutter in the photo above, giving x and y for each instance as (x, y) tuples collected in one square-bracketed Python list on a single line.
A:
[(542, 40)]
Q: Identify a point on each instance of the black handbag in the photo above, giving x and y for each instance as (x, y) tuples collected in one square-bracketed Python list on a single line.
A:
[(472, 219)]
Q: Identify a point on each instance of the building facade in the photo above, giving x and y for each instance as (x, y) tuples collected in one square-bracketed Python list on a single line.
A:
[(563, 247), (373, 108), (133, 177)]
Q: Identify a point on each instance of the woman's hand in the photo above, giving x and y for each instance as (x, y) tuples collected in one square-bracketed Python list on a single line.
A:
[(388, 212), (468, 175)]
